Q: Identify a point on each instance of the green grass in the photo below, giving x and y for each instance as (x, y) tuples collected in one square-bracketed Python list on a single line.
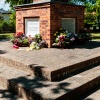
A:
[(96, 36), (6, 36)]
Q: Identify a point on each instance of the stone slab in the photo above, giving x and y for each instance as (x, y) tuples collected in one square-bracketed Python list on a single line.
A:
[(6, 95), (92, 95), (30, 87), (48, 60)]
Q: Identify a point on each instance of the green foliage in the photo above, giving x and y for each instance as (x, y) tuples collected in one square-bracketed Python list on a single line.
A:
[(17, 2), (90, 18), (96, 36), (6, 26), (6, 36), (82, 2), (98, 10), (13, 17), (38, 38)]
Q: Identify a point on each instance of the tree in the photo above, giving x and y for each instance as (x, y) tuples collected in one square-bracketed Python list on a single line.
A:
[(98, 11), (82, 2), (17, 2)]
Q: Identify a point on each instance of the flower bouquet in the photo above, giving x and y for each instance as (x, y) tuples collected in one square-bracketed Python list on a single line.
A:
[(61, 40), (20, 40), (37, 43)]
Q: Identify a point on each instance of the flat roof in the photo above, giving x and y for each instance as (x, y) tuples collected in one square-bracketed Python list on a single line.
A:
[(47, 1)]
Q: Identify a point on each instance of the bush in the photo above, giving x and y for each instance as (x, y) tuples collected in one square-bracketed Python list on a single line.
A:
[(7, 27)]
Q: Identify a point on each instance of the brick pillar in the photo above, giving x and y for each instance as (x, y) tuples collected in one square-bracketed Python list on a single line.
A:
[(37, 0)]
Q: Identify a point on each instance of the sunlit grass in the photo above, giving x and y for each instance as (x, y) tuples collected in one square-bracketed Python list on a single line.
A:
[(6, 36), (96, 36)]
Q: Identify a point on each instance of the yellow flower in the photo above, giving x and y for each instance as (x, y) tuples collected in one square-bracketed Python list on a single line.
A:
[(54, 34), (60, 28)]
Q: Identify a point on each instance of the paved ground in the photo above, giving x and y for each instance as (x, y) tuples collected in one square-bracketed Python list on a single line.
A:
[(6, 95), (51, 57), (47, 89), (93, 95)]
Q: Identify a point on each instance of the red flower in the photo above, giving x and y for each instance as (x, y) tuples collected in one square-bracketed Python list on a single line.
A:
[(61, 38), (18, 34)]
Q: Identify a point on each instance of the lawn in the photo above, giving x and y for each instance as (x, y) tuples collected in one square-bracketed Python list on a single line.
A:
[(96, 36), (6, 36)]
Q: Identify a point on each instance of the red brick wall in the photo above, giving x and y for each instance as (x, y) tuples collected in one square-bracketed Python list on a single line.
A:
[(43, 13), (50, 15), (36, 0), (59, 11)]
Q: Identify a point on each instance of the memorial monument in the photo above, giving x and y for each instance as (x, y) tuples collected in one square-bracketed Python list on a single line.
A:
[(48, 16)]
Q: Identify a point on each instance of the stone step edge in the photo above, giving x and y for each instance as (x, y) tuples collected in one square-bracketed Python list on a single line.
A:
[(68, 70), (83, 89), (48, 73), (16, 64), (93, 94), (18, 90), (27, 94), (9, 96)]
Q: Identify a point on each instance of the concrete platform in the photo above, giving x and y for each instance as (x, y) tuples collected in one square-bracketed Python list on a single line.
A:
[(50, 57), (30, 87), (17, 66), (92, 95), (51, 63), (6, 95)]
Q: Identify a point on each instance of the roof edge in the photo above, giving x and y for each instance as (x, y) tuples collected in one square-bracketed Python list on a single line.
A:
[(38, 3)]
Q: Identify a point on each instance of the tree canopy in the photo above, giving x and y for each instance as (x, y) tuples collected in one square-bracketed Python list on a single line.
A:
[(17, 2), (83, 2), (92, 11)]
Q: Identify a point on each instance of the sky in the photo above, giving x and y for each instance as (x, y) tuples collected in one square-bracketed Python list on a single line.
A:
[(3, 5)]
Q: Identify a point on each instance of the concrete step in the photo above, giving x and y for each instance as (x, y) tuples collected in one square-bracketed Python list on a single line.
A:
[(33, 88), (92, 95), (56, 73), (6, 95)]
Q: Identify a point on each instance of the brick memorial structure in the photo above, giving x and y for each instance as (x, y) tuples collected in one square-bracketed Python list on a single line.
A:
[(48, 16)]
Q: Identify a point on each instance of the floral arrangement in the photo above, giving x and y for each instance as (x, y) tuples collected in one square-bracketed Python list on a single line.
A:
[(20, 40), (37, 43), (61, 39), (64, 39)]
